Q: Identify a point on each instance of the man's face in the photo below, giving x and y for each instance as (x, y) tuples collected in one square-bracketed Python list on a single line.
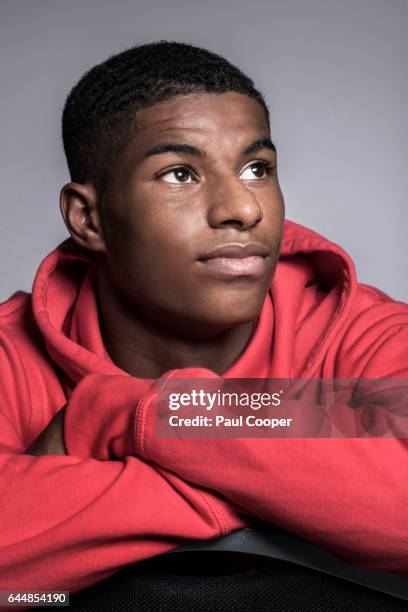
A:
[(194, 217)]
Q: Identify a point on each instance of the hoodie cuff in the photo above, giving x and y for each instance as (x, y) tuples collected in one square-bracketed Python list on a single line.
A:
[(99, 417), (109, 417), (145, 437)]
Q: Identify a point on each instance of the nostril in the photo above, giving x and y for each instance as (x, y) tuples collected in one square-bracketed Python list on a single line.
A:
[(232, 222)]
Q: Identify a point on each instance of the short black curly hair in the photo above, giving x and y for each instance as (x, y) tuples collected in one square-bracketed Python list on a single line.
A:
[(99, 116)]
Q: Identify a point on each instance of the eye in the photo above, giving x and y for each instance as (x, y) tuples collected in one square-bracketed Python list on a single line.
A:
[(181, 174), (256, 170)]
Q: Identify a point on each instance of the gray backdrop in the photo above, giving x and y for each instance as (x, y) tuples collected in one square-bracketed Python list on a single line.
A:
[(334, 73)]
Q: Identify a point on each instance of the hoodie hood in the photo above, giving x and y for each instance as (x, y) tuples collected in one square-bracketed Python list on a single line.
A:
[(310, 295)]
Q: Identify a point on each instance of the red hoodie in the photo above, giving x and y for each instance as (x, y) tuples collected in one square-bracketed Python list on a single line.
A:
[(123, 494)]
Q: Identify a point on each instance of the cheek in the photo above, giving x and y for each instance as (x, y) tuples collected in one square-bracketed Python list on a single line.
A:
[(153, 256), (274, 214)]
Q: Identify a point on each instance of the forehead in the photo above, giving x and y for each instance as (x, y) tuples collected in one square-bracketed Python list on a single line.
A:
[(208, 118)]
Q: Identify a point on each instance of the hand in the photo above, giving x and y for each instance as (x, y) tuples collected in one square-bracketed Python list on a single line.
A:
[(51, 440)]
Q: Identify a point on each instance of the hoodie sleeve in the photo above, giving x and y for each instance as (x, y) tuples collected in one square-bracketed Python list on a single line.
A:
[(349, 495), (69, 522)]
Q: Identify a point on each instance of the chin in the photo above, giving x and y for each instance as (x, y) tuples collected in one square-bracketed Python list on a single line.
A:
[(240, 319), (234, 315), (215, 320)]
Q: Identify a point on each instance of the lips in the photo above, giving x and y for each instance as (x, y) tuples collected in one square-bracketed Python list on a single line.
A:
[(237, 259), (237, 251)]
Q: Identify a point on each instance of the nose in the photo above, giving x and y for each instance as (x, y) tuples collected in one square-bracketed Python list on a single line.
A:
[(233, 203)]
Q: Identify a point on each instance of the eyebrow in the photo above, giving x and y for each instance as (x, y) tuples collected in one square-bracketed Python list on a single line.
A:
[(174, 147), (259, 144), (177, 147)]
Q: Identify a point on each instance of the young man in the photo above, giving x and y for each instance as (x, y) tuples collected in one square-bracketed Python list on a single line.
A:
[(180, 265)]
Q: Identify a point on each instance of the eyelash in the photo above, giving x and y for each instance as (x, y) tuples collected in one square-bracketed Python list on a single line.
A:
[(268, 167), (179, 167)]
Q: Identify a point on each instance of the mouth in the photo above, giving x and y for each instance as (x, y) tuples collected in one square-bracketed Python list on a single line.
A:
[(236, 260)]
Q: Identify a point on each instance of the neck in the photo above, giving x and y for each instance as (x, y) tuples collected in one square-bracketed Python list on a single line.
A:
[(146, 349)]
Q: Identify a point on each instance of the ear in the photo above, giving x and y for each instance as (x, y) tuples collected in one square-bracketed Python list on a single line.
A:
[(79, 208)]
